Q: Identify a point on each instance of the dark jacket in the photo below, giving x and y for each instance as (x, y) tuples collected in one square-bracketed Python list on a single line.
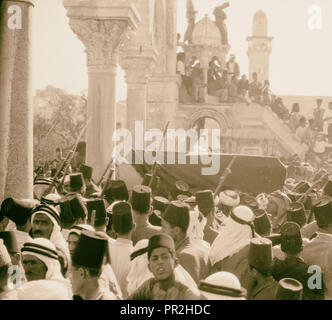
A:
[(263, 291), (296, 268)]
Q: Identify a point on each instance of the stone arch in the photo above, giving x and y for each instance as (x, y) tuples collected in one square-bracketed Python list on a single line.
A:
[(225, 123)]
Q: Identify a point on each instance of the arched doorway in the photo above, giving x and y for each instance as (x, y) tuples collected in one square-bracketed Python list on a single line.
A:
[(208, 134), (217, 123)]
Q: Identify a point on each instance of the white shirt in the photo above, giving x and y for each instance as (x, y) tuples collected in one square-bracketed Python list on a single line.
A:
[(120, 250), (319, 252)]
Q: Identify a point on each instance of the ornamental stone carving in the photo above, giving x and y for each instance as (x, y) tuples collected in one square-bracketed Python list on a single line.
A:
[(138, 69), (101, 38)]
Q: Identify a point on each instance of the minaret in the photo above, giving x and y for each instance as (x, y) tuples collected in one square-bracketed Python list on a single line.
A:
[(259, 48)]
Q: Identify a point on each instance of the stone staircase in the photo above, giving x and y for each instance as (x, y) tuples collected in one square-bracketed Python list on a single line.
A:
[(261, 118)]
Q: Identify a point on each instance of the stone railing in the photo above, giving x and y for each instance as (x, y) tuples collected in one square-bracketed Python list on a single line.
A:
[(284, 136)]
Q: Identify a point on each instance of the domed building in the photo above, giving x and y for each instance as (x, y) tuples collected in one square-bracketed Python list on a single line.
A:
[(206, 33)]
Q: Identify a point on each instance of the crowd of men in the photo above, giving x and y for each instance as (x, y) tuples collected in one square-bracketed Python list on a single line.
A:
[(84, 241), (225, 83), (316, 132)]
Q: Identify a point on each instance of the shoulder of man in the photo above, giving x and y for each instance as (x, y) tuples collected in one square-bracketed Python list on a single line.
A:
[(188, 293), (144, 291)]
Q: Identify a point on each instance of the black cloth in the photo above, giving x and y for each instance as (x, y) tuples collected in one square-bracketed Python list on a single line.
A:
[(296, 268)]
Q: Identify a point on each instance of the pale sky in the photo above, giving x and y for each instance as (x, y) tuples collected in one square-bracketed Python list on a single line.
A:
[(301, 59)]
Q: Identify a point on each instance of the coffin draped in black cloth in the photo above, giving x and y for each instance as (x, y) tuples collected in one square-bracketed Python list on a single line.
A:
[(251, 174)]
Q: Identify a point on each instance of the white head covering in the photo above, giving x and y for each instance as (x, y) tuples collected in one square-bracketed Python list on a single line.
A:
[(223, 280), (233, 235), (229, 198), (56, 236), (44, 290), (139, 271), (195, 232), (45, 250)]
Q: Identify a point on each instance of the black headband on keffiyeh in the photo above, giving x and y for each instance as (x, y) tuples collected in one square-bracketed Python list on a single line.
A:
[(36, 248), (48, 210), (241, 221), (221, 290)]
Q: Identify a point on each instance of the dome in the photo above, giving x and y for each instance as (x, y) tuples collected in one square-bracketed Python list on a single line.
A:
[(206, 32)]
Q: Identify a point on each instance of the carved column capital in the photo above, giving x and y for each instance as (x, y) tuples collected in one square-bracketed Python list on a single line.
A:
[(138, 69), (101, 38)]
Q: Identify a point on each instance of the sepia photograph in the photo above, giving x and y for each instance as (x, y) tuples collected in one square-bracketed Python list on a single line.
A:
[(166, 150)]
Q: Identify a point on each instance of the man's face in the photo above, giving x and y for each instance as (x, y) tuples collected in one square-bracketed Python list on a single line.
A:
[(72, 242), (34, 268), (161, 263), (76, 278), (42, 226)]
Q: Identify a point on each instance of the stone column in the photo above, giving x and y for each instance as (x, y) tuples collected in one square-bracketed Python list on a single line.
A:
[(101, 39), (138, 58), (16, 113), (138, 69), (102, 26)]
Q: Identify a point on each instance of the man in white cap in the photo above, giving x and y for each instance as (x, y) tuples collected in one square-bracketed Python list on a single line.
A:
[(228, 199), (230, 250), (45, 223), (41, 262), (222, 286)]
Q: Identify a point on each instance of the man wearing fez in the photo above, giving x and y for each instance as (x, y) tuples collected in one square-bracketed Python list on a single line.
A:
[(46, 223), (122, 247), (207, 207), (19, 211), (159, 205), (175, 223), (91, 188), (162, 262), (116, 191), (72, 212), (289, 289), (97, 218), (74, 235), (262, 286), (87, 267), (319, 250), (76, 184), (41, 262), (141, 205), (293, 265)]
